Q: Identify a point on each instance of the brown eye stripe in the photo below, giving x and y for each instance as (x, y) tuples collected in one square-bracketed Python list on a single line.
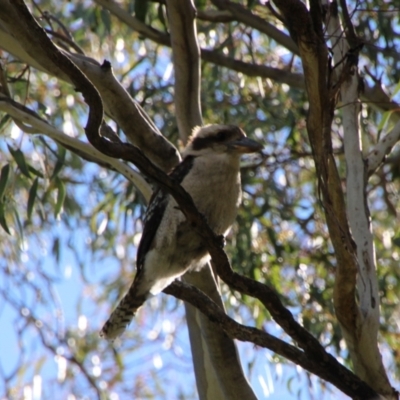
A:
[(224, 135)]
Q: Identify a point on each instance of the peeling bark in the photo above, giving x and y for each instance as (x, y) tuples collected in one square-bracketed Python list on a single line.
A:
[(348, 225), (362, 337)]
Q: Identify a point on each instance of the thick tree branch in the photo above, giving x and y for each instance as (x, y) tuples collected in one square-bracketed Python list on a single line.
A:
[(306, 341), (314, 57), (186, 58), (294, 80), (385, 145), (336, 374), (345, 279), (216, 361), (362, 337), (215, 16), (373, 95), (118, 150), (132, 119), (217, 366), (32, 123)]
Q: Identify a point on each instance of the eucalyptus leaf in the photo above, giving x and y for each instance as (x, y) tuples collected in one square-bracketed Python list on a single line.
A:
[(5, 173), (61, 193), (19, 158), (32, 197), (3, 221)]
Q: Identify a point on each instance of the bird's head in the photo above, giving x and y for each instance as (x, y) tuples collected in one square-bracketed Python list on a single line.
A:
[(223, 139)]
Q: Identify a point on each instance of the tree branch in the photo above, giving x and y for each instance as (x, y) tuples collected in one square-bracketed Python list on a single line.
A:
[(186, 59), (385, 145), (217, 366), (35, 124), (244, 15), (377, 98), (294, 80), (132, 119), (347, 382), (215, 15), (134, 23), (374, 95), (362, 339), (219, 373), (128, 152), (360, 333)]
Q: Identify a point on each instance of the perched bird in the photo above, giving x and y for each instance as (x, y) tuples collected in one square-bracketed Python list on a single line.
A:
[(169, 247)]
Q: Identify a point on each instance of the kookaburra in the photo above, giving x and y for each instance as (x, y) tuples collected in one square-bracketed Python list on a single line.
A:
[(169, 247)]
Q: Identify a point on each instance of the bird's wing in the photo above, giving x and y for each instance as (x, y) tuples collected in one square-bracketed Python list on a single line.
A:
[(155, 211)]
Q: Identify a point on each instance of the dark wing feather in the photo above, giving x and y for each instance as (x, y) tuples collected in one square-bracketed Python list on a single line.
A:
[(155, 211)]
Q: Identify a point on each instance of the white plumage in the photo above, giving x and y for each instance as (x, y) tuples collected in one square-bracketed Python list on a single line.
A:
[(210, 173)]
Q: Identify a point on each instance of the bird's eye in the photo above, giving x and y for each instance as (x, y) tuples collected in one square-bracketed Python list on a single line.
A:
[(221, 136)]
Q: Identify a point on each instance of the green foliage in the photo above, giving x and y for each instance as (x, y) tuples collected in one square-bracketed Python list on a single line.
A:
[(141, 9), (32, 198), (5, 172), (58, 210), (18, 156), (3, 221)]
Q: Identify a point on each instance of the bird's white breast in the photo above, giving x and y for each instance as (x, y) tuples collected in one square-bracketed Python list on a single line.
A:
[(214, 184)]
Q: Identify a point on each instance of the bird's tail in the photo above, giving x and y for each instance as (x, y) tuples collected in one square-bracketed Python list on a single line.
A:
[(123, 314)]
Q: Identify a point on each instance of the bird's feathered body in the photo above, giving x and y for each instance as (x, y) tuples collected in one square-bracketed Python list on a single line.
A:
[(169, 246)]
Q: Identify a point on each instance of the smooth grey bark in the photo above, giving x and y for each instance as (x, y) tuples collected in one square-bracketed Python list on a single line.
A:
[(362, 337), (217, 367)]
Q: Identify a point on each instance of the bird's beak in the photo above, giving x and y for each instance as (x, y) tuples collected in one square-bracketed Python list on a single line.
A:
[(245, 145)]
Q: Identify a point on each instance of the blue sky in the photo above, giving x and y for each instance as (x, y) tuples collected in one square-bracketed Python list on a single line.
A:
[(270, 380)]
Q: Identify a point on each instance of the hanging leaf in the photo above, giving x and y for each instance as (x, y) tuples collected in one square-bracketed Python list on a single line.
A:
[(141, 8), (161, 15), (5, 173), (56, 249), (105, 18), (35, 171), (4, 121), (384, 121), (3, 222), (395, 91), (60, 196), (19, 225), (32, 197), (60, 161), (19, 158), (396, 240), (201, 4)]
